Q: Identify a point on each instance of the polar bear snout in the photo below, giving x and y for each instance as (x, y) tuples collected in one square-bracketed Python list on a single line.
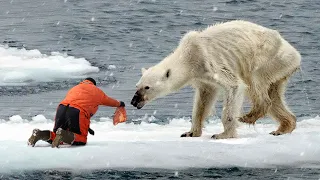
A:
[(138, 101), (135, 100)]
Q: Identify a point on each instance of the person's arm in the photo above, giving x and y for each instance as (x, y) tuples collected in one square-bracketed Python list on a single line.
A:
[(108, 101)]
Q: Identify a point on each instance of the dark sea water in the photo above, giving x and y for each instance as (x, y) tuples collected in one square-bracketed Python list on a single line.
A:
[(211, 173), (139, 33)]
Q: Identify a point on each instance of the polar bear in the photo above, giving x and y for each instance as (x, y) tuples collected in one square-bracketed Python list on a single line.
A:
[(237, 58)]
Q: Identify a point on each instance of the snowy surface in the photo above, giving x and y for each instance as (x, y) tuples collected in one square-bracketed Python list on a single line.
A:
[(22, 66), (159, 146)]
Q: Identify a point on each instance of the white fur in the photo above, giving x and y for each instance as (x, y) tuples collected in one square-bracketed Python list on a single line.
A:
[(235, 56)]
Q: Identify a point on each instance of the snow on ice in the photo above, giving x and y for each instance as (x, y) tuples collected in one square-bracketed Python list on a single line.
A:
[(150, 145), (23, 66)]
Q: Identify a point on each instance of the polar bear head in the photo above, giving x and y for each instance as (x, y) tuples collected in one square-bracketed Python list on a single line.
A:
[(155, 82), (158, 81), (171, 74)]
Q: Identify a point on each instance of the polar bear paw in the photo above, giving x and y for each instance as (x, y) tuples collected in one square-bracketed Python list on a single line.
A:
[(190, 134), (223, 136), (276, 133), (187, 134), (248, 118)]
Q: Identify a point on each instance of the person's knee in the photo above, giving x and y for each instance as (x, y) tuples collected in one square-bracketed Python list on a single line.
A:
[(80, 138)]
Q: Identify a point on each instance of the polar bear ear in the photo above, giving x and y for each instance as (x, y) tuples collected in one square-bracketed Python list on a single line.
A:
[(143, 70)]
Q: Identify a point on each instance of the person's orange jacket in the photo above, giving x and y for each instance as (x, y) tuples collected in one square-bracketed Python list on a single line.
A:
[(87, 97)]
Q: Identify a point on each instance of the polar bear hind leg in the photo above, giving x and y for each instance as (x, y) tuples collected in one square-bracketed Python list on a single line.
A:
[(261, 102), (267, 92), (278, 110)]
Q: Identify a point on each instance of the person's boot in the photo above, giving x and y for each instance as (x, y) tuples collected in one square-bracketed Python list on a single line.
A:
[(37, 135), (63, 136)]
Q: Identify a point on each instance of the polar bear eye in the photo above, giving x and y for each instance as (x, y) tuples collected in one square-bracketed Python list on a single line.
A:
[(147, 87), (168, 73)]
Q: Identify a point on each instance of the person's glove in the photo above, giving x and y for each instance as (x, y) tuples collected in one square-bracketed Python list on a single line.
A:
[(122, 104)]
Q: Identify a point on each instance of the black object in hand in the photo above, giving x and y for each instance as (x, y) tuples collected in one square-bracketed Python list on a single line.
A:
[(122, 104)]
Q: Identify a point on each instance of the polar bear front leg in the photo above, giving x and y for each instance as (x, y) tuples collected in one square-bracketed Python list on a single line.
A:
[(204, 99), (231, 109)]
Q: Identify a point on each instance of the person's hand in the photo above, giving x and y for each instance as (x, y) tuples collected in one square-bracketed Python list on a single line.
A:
[(122, 104)]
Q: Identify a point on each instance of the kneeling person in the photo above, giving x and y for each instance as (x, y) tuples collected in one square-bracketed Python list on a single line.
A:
[(72, 120)]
